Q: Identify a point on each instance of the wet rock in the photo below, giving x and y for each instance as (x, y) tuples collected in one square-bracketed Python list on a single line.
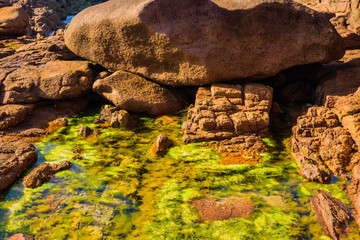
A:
[(224, 111), (20, 236), (222, 209), (113, 116), (13, 21), (332, 214), (353, 193), (11, 167), (57, 80), (43, 173), (12, 115), (136, 94), (320, 145), (85, 131), (162, 142), (172, 47)]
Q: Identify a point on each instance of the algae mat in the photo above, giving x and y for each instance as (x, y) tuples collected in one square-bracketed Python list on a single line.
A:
[(117, 188)]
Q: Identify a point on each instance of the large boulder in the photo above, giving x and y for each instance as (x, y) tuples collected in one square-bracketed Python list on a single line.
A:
[(136, 94), (13, 21), (57, 80), (200, 42)]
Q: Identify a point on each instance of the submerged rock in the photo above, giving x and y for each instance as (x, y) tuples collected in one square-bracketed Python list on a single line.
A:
[(224, 111), (43, 173), (200, 42), (20, 236), (223, 209), (162, 142), (332, 214), (136, 94), (13, 21), (11, 167)]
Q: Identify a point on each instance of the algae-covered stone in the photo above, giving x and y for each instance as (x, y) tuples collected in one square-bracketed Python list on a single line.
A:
[(200, 42)]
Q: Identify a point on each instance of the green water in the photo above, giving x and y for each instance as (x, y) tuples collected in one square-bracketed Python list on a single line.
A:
[(119, 189)]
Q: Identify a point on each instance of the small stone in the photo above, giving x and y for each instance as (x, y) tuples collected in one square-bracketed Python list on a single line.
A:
[(85, 131), (20, 236), (162, 143)]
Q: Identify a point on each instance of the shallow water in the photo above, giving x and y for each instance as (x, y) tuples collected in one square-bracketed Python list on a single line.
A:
[(118, 188)]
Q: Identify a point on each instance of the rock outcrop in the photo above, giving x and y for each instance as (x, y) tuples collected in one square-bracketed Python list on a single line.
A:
[(321, 146), (44, 173), (136, 94), (200, 42), (13, 21), (353, 193), (332, 214), (12, 166), (224, 111), (12, 115), (113, 117), (57, 80)]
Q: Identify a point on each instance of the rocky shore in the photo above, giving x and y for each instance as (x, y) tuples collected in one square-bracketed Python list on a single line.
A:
[(234, 65)]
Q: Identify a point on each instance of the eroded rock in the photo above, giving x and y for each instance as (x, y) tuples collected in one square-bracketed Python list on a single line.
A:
[(224, 111), (43, 173), (113, 116), (12, 115), (332, 214), (136, 94), (353, 193), (166, 41), (13, 21)]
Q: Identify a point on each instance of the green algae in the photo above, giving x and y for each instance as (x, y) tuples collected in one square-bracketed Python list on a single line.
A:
[(119, 189)]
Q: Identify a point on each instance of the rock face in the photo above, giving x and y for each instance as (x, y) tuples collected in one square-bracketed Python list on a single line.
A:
[(346, 19), (353, 193), (332, 214), (57, 80), (13, 21), (11, 167), (136, 94), (321, 146), (112, 116), (162, 142), (11, 115), (200, 42), (224, 111), (43, 173)]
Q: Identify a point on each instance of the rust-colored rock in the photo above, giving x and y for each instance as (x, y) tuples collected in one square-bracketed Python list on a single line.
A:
[(12, 115), (162, 142), (222, 209), (57, 80), (11, 167), (136, 94), (166, 41), (224, 111), (332, 214), (20, 236), (13, 21), (353, 193), (43, 173)]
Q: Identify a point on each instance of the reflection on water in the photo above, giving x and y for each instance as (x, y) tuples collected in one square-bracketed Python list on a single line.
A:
[(118, 189)]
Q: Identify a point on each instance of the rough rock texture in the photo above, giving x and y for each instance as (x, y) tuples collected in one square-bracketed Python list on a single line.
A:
[(136, 94), (43, 173), (224, 111), (201, 42), (13, 21), (11, 115), (85, 131), (353, 193), (20, 236), (46, 16), (346, 19), (332, 214), (57, 80), (12, 166), (339, 81), (222, 209), (162, 142), (321, 146), (112, 116)]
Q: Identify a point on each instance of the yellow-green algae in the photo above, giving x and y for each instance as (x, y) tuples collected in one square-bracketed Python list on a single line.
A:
[(119, 189)]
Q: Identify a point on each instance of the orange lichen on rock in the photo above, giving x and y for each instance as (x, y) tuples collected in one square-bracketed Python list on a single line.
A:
[(242, 157)]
